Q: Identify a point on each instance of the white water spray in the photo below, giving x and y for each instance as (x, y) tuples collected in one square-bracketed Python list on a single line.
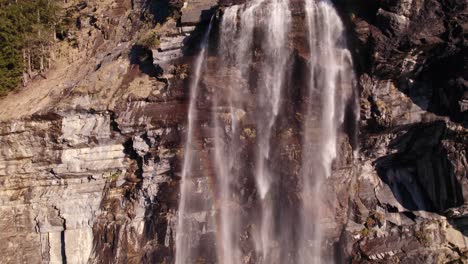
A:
[(186, 230), (331, 82), (248, 119)]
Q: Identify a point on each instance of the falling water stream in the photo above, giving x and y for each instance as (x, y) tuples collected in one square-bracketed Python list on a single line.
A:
[(185, 230), (246, 196), (332, 75)]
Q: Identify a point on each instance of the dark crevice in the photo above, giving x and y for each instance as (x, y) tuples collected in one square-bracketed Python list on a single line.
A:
[(410, 215), (132, 154), (113, 123), (143, 57), (62, 247), (159, 11)]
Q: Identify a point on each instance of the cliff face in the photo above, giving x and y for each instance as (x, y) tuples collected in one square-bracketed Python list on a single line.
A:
[(90, 157), (85, 151), (412, 188)]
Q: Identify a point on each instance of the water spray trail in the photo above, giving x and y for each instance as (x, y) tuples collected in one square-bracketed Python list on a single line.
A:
[(184, 232), (255, 66), (226, 144), (330, 83), (270, 85)]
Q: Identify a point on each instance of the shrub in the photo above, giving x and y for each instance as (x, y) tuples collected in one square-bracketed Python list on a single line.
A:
[(150, 40)]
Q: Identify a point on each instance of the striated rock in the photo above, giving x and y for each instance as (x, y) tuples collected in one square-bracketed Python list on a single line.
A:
[(54, 182), (196, 11)]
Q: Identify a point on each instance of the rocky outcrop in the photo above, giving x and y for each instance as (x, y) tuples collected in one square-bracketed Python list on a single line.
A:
[(65, 178), (176, 38), (419, 47), (413, 132), (53, 174), (89, 156)]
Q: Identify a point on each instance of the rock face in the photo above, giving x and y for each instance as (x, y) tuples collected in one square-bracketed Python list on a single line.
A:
[(412, 187), (90, 157), (53, 182)]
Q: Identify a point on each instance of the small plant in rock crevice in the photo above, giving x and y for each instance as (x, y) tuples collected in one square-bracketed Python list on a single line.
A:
[(115, 175), (149, 40), (365, 232), (423, 237)]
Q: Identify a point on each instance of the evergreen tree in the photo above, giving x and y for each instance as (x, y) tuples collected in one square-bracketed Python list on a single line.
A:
[(26, 32)]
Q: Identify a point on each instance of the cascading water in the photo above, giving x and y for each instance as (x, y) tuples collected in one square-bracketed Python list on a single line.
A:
[(186, 228), (331, 82), (266, 170)]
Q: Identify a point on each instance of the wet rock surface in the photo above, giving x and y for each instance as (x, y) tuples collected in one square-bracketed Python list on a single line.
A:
[(90, 166)]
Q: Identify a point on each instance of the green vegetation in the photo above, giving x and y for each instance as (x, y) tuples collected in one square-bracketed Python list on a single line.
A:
[(115, 175), (149, 40), (423, 237), (365, 232), (27, 28)]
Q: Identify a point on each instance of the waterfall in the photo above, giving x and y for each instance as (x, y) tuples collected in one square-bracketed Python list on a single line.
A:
[(237, 46), (186, 228), (331, 82), (261, 196)]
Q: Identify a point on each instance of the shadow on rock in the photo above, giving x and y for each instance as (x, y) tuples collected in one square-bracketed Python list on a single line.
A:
[(143, 57), (438, 85), (162, 9), (192, 43), (421, 174)]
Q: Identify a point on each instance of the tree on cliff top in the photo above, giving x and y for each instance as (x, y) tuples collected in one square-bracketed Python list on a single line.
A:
[(26, 32)]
